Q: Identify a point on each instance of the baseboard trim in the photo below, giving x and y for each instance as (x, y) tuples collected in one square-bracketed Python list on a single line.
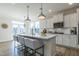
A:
[(67, 46), (6, 41)]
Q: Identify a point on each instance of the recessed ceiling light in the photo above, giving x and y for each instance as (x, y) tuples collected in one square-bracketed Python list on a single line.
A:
[(13, 3), (50, 10), (70, 3)]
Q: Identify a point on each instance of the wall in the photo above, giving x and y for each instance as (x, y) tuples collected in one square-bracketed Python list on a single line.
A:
[(5, 34)]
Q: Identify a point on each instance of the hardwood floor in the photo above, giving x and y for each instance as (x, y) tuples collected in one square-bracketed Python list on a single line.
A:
[(64, 51), (6, 49)]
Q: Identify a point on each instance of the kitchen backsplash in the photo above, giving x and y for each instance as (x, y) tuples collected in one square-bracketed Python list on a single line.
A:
[(72, 30)]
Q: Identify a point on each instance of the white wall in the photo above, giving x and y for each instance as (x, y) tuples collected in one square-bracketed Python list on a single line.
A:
[(5, 34)]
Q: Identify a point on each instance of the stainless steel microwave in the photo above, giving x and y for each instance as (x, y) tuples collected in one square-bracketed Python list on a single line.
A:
[(58, 25)]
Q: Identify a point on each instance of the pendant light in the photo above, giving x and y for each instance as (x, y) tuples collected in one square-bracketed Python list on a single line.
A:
[(27, 19), (41, 16)]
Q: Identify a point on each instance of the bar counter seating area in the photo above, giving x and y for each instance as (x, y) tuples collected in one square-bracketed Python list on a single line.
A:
[(34, 45)]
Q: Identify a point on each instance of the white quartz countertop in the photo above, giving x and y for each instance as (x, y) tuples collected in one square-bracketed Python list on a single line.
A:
[(48, 36)]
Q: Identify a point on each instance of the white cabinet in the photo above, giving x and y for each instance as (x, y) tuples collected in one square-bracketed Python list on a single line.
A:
[(58, 18), (56, 40), (59, 39), (66, 40), (73, 41), (55, 18), (73, 20), (66, 20), (70, 40), (49, 22), (70, 20)]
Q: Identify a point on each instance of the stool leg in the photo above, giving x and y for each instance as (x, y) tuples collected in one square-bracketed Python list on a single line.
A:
[(34, 52), (25, 51), (43, 50), (14, 47)]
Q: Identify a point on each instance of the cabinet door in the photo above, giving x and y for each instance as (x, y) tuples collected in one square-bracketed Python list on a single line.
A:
[(55, 17), (59, 39), (66, 40), (56, 39), (73, 41), (70, 20), (60, 17), (66, 21), (73, 20)]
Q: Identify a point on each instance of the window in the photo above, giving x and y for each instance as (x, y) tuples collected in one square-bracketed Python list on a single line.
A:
[(35, 27), (17, 28)]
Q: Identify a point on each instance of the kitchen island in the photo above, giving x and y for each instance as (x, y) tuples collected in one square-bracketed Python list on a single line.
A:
[(49, 41)]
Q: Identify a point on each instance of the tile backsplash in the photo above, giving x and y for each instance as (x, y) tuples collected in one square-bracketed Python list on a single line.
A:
[(63, 30)]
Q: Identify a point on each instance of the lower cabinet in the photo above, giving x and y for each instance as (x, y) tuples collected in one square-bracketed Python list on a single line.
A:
[(59, 39), (67, 40), (73, 41), (56, 39)]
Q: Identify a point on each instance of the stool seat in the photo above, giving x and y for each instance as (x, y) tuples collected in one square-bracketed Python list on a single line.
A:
[(21, 40), (15, 38), (32, 43)]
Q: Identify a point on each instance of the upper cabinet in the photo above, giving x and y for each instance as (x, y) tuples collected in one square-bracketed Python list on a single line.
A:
[(70, 20), (55, 19), (66, 21), (58, 18), (73, 20)]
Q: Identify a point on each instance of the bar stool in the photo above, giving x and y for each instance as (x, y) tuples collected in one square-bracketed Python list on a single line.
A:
[(15, 39), (15, 43), (35, 47), (22, 45)]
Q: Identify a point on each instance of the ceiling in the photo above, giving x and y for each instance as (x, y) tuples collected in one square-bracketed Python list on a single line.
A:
[(19, 10)]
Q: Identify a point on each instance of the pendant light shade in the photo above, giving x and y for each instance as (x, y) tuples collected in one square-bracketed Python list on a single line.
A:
[(41, 16), (27, 19)]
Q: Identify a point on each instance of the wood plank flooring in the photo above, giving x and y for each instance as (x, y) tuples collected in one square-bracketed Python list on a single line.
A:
[(64, 51), (6, 49)]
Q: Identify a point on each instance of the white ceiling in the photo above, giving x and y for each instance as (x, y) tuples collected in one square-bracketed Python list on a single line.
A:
[(18, 11)]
